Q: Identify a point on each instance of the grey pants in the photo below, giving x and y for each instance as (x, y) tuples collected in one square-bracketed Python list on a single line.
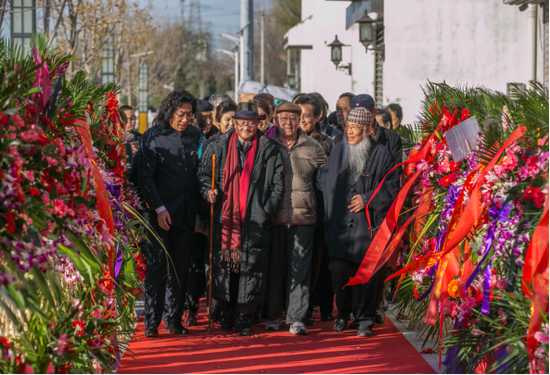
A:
[(290, 260)]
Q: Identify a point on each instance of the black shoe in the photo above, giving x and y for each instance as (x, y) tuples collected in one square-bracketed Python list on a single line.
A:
[(364, 332), (151, 332), (226, 324), (257, 318), (244, 327), (327, 318), (177, 329), (354, 325), (308, 321), (380, 317), (340, 325)]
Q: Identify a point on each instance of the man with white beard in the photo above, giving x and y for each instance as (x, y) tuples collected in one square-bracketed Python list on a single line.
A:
[(353, 171)]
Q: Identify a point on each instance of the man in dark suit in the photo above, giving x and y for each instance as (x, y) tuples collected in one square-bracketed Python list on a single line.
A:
[(167, 176)]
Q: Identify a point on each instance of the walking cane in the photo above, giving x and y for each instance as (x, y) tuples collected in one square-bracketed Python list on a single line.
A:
[(211, 240)]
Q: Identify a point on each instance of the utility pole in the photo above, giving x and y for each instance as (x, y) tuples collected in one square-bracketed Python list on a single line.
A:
[(247, 32), (262, 48)]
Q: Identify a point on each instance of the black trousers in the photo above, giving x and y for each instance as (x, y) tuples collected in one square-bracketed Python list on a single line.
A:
[(321, 279), (233, 310), (196, 283), (166, 280), (364, 313)]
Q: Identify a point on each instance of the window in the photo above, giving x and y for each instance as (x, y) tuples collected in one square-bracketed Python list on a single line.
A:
[(355, 11), (23, 22)]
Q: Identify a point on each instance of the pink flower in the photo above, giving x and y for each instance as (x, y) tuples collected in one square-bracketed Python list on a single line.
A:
[(28, 136), (59, 207), (502, 317), (17, 121), (51, 161), (477, 332), (95, 314), (45, 199), (542, 337), (62, 345)]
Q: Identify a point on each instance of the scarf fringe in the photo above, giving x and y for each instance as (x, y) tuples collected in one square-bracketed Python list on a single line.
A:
[(233, 257)]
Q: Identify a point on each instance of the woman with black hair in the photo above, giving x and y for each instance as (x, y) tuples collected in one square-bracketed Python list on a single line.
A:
[(168, 180)]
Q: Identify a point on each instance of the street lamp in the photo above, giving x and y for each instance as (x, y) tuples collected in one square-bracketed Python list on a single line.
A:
[(336, 55), (336, 51), (291, 80), (367, 30)]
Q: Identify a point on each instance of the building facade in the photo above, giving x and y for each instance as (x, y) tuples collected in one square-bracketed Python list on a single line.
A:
[(489, 43)]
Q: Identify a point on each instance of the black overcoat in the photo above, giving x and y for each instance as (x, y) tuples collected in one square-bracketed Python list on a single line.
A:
[(347, 234), (264, 196), (167, 172)]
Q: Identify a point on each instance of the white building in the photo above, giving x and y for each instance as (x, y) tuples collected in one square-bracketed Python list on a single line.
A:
[(488, 43)]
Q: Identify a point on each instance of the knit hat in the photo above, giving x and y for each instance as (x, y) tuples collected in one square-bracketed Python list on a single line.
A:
[(289, 107), (359, 115)]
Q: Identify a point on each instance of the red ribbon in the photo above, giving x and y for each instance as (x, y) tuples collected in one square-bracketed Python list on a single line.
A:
[(103, 204), (536, 271), (371, 261), (459, 229)]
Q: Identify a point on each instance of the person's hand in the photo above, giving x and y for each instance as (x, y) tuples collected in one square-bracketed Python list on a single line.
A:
[(357, 204), (211, 196), (164, 220), (135, 147)]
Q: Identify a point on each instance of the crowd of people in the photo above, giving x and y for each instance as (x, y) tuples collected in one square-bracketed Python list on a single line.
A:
[(289, 185)]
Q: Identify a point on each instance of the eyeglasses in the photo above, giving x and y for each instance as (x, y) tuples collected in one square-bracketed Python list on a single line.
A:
[(285, 119), (184, 114), (251, 124)]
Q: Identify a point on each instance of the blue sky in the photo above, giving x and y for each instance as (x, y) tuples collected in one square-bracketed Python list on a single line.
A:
[(222, 16)]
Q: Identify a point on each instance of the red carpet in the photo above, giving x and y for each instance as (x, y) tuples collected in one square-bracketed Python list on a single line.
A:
[(322, 351)]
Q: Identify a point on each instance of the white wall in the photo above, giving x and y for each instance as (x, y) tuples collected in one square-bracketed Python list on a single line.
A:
[(318, 73), (464, 42)]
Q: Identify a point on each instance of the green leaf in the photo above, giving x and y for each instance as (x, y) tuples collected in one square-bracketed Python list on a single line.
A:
[(81, 265)]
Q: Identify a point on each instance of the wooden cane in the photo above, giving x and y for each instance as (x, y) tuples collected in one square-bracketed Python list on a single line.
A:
[(211, 241)]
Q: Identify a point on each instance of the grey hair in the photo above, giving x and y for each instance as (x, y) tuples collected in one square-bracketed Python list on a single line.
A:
[(217, 97)]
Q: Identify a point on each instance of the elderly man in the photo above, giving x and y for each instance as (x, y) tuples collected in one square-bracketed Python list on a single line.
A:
[(355, 168), (392, 141), (248, 189), (293, 228), (167, 176)]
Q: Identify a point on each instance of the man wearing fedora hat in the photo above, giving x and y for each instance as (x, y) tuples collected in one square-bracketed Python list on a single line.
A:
[(293, 228), (353, 171), (249, 179)]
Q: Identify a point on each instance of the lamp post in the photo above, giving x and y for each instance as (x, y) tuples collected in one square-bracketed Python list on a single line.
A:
[(367, 30), (336, 55), (237, 57)]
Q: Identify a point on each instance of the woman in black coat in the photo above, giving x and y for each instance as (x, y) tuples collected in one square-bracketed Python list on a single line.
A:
[(241, 291)]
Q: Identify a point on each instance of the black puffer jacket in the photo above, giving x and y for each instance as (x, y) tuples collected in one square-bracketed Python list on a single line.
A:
[(264, 196)]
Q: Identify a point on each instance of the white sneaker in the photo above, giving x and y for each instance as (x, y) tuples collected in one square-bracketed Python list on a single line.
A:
[(298, 328), (273, 325)]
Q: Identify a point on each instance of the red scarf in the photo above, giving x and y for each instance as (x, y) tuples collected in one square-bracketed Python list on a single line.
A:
[(235, 187)]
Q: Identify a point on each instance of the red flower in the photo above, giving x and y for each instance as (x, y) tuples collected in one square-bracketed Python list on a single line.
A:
[(465, 114), (535, 195), (4, 120), (415, 291), (453, 166), (4, 340), (35, 192), (10, 220)]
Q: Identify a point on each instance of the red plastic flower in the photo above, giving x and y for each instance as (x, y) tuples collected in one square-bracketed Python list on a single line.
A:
[(464, 114)]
